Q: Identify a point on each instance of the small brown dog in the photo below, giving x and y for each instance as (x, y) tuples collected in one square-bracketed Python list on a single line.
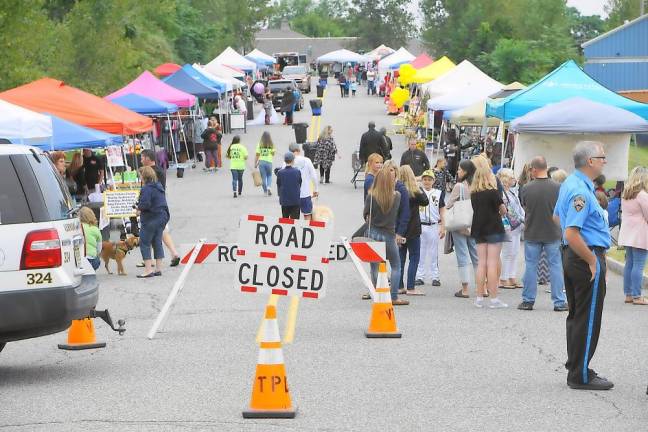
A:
[(118, 251)]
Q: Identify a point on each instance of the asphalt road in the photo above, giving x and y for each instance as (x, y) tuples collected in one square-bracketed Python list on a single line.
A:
[(457, 368)]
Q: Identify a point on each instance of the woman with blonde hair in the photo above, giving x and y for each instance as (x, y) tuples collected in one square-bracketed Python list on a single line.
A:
[(154, 215), (92, 236), (634, 233), (487, 229), (374, 164), (381, 212), (265, 152), (417, 198), (515, 214), (325, 154)]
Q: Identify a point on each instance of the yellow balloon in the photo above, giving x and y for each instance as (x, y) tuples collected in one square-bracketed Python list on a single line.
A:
[(406, 73), (399, 96)]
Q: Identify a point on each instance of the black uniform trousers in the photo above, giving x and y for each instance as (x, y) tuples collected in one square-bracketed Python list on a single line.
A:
[(585, 297)]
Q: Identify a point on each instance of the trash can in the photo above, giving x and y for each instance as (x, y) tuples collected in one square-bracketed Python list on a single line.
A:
[(320, 91), (316, 106), (300, 132), (250, 109)]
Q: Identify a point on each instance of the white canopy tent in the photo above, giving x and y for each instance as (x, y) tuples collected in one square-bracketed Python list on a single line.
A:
[(229, 57), (474, 91), (555, 129), (394, 60), (380, 52), (465, 74), (342, 56), (22, 126), (259, 56), (230, 81)]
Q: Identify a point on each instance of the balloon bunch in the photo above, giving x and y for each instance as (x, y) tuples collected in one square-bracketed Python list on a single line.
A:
[(401, 95)]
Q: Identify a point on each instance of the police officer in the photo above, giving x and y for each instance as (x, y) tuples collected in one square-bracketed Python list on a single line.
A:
[(586, 238)]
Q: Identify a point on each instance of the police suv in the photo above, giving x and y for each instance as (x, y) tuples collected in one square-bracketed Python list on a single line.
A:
[(45, 281)]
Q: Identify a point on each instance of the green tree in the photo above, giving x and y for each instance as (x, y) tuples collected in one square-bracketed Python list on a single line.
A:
[(620, 11), (375, 22), (584, 28)]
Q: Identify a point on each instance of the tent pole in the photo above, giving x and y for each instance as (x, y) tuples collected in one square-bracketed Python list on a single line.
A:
[(173, 152), (182, 133)]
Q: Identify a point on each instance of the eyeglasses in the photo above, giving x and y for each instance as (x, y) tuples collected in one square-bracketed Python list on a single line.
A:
[(599, 157)]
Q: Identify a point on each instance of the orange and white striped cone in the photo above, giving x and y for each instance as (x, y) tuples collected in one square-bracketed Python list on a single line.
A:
[(270, 394), (81, 336), (383, 319)]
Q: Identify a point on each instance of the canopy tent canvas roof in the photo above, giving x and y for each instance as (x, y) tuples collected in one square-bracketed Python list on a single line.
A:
[(69, 136), (433, 71), (229, 81), (223, 71), (258, 56), (219, 85), (565, 82), (22, 126), (166, 69), (421, 61), (473, 115), (508, 90), (148, 85), (48, 95), (579, 115), (464, 75), (394, 60), (144, 105), (183, 80), (229, 57), (342, 56), (380, 52), (475, 90)]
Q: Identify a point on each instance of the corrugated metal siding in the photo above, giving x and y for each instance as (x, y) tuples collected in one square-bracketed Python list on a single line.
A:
[(619, 76), (628, 42)]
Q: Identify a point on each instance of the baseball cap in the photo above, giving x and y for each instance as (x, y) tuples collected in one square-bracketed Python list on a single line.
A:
[(428, 173), (289, 157)]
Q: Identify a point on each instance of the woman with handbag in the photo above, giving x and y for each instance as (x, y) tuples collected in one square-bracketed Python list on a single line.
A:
[(487, 229), (380, 212), (515, 215), (458, 203)]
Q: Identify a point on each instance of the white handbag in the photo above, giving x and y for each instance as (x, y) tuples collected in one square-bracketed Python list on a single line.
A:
[(460, 215)]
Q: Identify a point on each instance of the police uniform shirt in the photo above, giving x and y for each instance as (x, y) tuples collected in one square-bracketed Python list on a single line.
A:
[(578, 207)]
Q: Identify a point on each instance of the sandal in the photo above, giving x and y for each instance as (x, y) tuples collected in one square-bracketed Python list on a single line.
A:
[(415, 292), (402, 291), (366, 296), (640, 301), (460, 294), (150, 275), (507, 287), (628, 299), (399, 302), (157, 273)]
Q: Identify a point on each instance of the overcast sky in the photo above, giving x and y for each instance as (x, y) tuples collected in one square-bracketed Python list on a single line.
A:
[(588, 7)]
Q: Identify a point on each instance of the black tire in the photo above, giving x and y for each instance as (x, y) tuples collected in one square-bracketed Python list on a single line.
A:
[(2, 345)]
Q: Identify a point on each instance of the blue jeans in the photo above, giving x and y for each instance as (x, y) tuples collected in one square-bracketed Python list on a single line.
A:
[(532, 251), (237, 180), (466, 252), (151, 235), (265, 168), (633, 272), (392, 256), (413, 246)]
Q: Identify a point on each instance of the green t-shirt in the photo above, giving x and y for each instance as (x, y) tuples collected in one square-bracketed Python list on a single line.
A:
[(265, 154), (92, 237), (237, 155)]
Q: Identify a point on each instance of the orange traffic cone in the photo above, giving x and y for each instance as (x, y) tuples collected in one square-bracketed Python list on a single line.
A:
[(270, 394), (81, 336), (383, 319)]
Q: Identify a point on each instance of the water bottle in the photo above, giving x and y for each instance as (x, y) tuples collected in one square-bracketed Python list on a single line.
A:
[(506, 223)]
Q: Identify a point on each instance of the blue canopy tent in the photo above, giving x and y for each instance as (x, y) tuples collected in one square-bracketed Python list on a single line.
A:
[(567, 81), (219, 85), (145, 105), (69, 136), (192, 83)]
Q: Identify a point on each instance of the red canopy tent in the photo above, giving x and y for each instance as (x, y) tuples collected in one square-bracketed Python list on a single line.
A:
[(421, 61), (52, 96), (166, 69)]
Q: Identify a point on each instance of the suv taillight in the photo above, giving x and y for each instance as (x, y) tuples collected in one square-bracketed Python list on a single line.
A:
[(42, 249)]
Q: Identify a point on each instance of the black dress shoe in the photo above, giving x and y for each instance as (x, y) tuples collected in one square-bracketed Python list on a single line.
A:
[(596, 383), (436, 282), (525, 306)]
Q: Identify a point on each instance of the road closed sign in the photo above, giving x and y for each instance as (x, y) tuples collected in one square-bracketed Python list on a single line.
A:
[(283, 256)]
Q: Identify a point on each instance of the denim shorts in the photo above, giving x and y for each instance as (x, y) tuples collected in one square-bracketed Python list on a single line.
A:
[(491, 238), (306, 205)]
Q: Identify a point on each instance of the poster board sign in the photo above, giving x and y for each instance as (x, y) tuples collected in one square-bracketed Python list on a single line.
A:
[(237, 121), (126, 177), (120, 204), (114, 156), (283, 256)]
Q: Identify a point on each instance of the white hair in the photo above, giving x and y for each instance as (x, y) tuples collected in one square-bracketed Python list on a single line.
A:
[(585, 150)]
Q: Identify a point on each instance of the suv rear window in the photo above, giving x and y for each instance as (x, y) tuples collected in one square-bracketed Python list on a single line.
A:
[(294, 70), (13, 204), (55, 194), (280, 85)]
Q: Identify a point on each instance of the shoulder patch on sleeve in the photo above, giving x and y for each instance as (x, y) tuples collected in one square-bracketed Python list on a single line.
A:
[(578, 202)]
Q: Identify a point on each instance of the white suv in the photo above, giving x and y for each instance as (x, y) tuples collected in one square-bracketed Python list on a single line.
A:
[(45, 281)]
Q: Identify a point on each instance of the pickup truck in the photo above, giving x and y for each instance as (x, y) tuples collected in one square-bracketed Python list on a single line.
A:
[(300, 75), (278, 87)]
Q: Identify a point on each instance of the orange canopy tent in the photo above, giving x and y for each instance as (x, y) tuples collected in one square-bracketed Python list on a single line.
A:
[(166, 69), (52, 96)]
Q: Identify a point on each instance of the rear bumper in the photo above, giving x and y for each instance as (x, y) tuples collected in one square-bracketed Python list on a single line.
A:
[(37, 312)]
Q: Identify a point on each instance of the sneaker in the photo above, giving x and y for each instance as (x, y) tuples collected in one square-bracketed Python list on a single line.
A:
[(479, 302), (436, 282), (235, 194), (321, 181), (596, 383), (419, 282), (561, 308), (269, 192), (496, 303), (525, 306)]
